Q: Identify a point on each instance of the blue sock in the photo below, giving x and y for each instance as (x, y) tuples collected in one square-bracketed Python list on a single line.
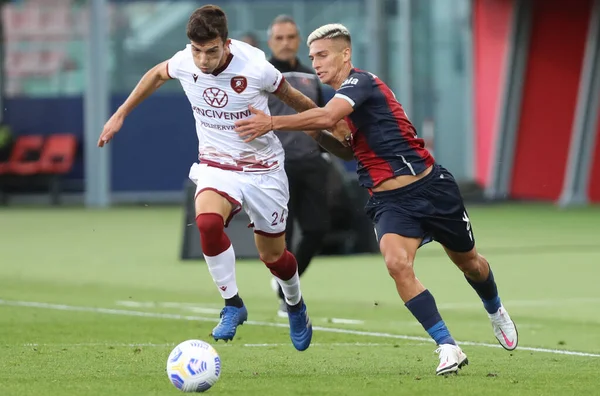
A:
[(440, 333), (425, 311), (488, 292), (492, 306)]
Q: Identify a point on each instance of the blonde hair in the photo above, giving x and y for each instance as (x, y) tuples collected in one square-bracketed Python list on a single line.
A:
[(330, 31)]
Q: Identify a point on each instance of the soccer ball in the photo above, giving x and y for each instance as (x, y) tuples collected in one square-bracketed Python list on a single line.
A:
[(193, 366)]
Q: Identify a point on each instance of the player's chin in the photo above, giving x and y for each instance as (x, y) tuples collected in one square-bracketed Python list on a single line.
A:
[(323, 78), (206, 71)]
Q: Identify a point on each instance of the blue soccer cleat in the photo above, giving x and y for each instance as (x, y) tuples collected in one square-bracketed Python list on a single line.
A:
[(300, 328), (231, 318)]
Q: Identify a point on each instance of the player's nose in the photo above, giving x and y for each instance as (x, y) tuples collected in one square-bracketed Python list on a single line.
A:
[(203, 60)]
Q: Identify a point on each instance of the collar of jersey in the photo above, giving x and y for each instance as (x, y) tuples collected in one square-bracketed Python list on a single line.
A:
[(221, 69)]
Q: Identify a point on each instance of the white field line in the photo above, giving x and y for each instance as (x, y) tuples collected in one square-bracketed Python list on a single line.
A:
[(188, 307), (123, 312), (213, 311), (153, 345), (344, 321)]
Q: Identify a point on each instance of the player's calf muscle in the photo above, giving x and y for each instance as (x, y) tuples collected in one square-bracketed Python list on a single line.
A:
[(477, 269), (471, 263)]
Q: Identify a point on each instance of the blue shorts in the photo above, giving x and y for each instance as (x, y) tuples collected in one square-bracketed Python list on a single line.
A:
[(431, 208)]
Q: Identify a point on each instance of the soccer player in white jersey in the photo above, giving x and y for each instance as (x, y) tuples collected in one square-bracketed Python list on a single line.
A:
[(221, 78)]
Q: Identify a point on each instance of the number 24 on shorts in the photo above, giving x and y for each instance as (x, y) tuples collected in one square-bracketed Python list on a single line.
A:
[(276, 217)]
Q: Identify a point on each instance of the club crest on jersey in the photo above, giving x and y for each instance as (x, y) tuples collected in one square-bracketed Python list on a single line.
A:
[(239, 84), (215, 97)]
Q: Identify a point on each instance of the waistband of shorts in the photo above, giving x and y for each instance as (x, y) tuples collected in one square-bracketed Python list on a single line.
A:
[(409, 188)]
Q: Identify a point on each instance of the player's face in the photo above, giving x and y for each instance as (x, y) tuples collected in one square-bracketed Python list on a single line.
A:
[(328, 57), (210, 55), (284, 41)]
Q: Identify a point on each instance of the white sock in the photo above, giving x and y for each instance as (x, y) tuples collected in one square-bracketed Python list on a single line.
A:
[(291, 289), (222, 270)]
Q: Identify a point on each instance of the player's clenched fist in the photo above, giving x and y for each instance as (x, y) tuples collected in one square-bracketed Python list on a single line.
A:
[(112, 126)]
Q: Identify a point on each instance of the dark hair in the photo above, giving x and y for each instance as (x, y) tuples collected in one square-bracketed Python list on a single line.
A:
[(281, 19), (207, 23)]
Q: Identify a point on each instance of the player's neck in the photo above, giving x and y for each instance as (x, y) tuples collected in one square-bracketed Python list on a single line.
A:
[(341, 76), (224, 58)]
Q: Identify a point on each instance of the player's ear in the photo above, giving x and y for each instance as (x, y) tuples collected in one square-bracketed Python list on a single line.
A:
[(227, 42), (347, 54)]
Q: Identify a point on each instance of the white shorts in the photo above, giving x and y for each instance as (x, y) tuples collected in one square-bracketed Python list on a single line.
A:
[(264, 196)]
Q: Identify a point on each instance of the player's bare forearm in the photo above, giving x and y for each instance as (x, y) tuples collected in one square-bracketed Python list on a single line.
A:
[(147, 85), (294, 98), (313, 119), (332, 145)]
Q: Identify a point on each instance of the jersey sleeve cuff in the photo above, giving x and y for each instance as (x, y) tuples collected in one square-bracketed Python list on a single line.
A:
[(280, 84), (346, 98), (169, 74)]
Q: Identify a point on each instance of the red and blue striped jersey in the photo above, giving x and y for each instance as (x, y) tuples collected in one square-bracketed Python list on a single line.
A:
[(384, 141)]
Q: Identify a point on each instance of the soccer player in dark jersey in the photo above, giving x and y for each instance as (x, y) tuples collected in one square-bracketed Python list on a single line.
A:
[(413, 199)]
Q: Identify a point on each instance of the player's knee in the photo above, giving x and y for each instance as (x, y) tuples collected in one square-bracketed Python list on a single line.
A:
[(210, 226), (399, 265), (272, 252), (283, 267), (269, 249), (270, 256)]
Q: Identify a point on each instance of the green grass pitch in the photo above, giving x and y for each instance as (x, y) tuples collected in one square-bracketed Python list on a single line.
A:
[(92, 302)]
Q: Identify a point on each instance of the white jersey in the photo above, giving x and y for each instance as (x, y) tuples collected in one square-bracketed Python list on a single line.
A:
[(221, 98)]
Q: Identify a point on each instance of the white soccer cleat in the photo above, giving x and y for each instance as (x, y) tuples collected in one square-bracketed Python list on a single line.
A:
[(504, 329), (452, 358)]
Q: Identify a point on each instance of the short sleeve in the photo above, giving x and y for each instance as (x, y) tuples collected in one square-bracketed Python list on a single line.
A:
[(174, 64), (271, 78), (356, 89)]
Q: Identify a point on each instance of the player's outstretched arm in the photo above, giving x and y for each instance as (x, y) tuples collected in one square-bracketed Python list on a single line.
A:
[(314, 119), (300, 102), (149, 83), (318, 118)]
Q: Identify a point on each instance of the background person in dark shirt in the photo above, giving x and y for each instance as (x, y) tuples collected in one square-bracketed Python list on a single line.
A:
[(305, 163)]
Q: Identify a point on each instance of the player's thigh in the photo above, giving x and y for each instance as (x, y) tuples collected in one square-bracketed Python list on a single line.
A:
[(399, 253), (217, 191), (398, 231), (395, 213), (312, 211), (266, 198), (448, 220)]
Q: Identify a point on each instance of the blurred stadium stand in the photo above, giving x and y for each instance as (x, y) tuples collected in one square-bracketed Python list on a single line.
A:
[(473, 76)]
